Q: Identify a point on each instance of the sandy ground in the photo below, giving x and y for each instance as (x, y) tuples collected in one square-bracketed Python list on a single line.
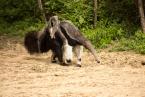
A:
[(120, 74)]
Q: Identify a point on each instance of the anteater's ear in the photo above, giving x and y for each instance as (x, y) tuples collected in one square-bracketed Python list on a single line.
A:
[(53, 25)]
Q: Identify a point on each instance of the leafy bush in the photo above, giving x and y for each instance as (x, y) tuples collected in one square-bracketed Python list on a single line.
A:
[(117, 21), (135, 43), (78, 11), (105, 34), (19, 28)]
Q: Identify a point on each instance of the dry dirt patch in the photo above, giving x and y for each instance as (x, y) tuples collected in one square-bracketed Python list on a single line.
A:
[(120, 74)]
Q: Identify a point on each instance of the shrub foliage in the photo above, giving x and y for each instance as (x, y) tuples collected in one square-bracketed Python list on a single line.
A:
[(117, 20)]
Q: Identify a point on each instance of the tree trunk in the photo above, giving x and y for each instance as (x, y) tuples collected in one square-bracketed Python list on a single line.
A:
[(141, 13), (95, 13), (42, 10)]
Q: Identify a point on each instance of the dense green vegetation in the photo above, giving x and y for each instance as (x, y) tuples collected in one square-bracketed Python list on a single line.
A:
[(117, 21)]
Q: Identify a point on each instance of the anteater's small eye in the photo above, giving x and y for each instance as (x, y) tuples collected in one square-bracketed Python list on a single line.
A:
[(52, 24)]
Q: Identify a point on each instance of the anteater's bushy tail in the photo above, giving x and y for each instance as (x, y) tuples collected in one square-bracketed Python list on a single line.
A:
[(35, 44)]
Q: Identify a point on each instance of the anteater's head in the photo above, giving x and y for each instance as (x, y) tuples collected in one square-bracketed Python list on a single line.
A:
[(53, 25)]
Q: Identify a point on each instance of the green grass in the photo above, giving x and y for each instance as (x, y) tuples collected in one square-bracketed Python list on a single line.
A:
[(135, 43)]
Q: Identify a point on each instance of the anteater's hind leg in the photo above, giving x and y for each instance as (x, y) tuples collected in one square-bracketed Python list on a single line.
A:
[(79, 51), (57, 52), (53, 58), (87, 44)]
